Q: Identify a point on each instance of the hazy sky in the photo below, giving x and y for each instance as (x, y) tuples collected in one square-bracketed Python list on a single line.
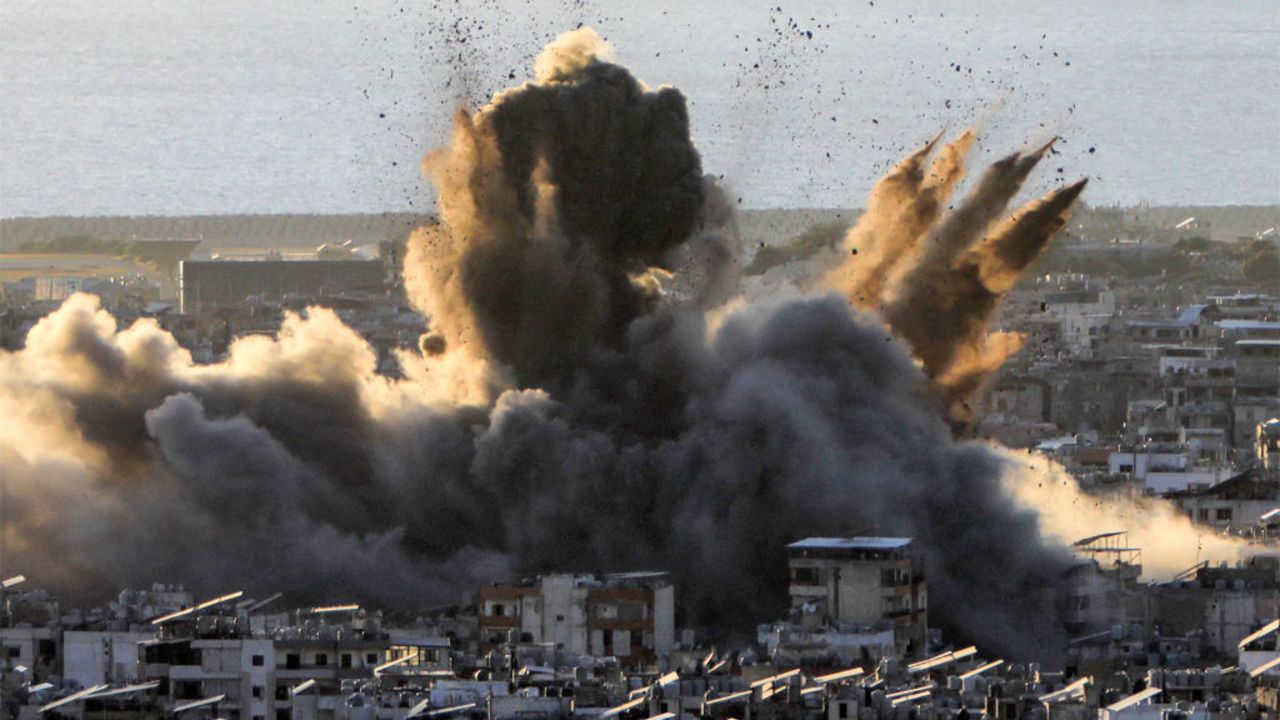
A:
[(186, 106)]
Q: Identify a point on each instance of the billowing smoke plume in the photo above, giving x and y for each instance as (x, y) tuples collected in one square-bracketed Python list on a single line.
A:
[(564, 204), (1169, 541), (583, 400), (938, 279)]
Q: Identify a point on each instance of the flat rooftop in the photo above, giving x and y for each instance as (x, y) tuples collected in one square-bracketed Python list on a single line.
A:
[(851, 543), (1248, 324)]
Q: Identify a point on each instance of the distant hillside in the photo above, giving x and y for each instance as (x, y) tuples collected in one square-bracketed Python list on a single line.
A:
[(1217, 222), (216, 230), (758, 227), (264, 231), (774, 226)]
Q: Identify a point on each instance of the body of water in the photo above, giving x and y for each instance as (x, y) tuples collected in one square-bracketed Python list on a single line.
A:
[(184, 107)]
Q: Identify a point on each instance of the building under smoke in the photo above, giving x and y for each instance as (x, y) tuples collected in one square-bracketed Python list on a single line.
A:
[(211, 284)]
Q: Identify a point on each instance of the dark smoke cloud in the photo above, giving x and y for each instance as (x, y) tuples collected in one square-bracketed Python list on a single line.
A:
[(795, 419), (123, 463), (587, 404), (560, 197)]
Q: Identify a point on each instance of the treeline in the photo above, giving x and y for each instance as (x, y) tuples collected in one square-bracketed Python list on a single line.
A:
[(81, 245), (1254, 260), (221, 231)]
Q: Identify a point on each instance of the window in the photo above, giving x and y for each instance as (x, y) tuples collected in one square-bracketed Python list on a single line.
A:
[(346, 660), (282, 692), (559, 618), (259, 717), (1223, 514), (498, 610), (284, 714), (259, 661), (1203, 515), (322, 659), (895, 577), (806, 576), (371, 659), (293, 661), (844, 710), (13, 651), (257, 692)]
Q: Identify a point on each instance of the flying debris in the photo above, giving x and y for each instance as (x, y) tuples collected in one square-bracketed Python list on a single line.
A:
[(937, 278), (592, 390)]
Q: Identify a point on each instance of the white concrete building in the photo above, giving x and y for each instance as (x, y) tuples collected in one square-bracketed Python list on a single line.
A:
[(96, 657), (863, 580), (630, 616)]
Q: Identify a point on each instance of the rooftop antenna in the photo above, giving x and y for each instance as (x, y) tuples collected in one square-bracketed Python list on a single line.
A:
[(1112, 544)]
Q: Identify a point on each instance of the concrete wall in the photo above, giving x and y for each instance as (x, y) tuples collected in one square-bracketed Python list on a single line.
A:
[(560, 613), (259, 676), (664, 621), (92, 657), (207, 285), (1243, 512)]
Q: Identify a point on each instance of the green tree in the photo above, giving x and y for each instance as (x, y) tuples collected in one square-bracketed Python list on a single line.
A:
[(1192, 245), (1263, 267)]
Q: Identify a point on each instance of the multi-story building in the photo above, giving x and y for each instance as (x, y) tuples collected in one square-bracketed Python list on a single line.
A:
[(211, 284), (1237, 503), (257, 672), (864, 581), (1257, 367), (58, 288), (93, 657), (1267, 446), (630, 616), (1083, 313)]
